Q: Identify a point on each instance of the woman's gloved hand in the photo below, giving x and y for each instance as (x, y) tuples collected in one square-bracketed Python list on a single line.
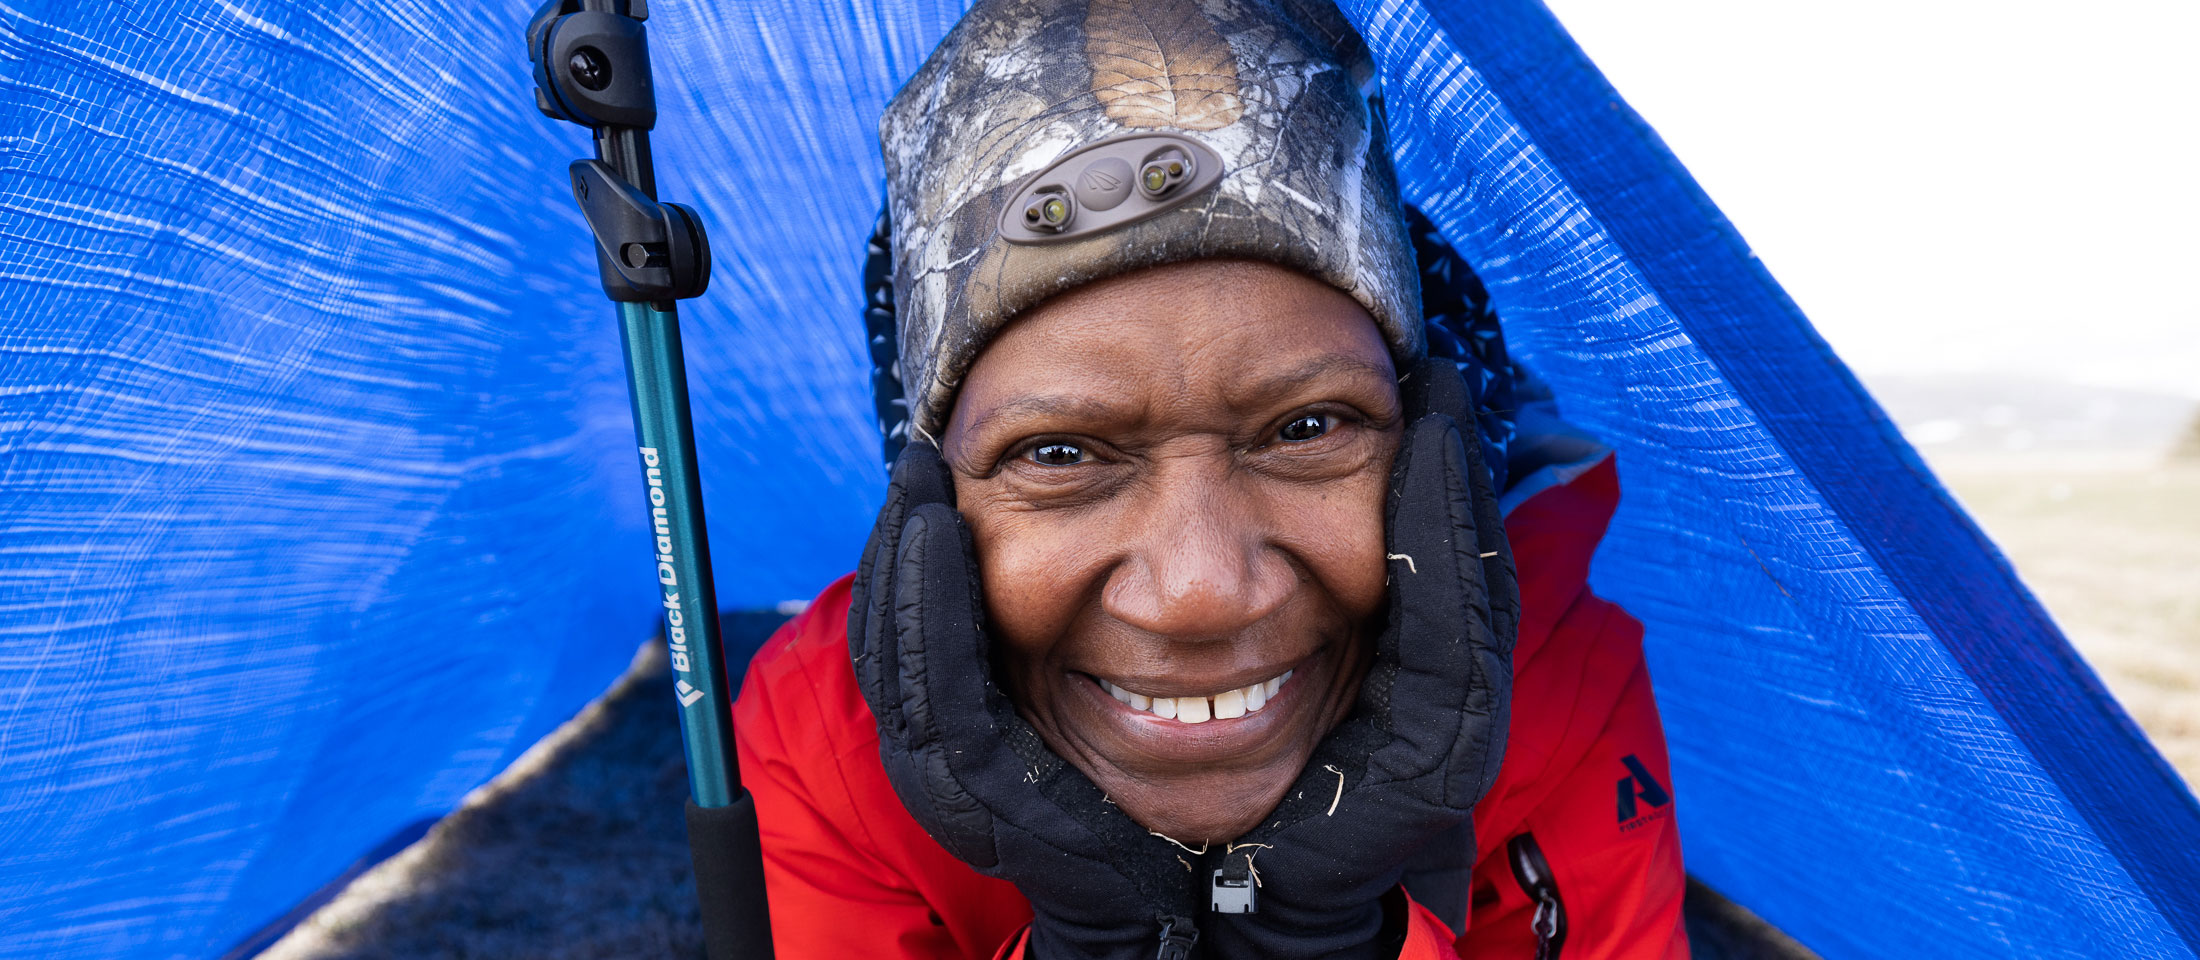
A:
[(971, 771), (1423, 743)]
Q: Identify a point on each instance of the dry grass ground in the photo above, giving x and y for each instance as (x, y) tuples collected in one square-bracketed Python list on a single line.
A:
[(577, 851), (2113, 551)]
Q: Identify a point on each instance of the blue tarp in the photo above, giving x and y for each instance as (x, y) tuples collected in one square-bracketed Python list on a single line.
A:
[(316, 469)]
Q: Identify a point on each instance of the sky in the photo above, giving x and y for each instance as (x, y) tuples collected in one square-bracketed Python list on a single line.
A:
[(2001, 188)]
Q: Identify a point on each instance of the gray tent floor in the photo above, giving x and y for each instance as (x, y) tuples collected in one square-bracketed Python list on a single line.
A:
[(579, 850)]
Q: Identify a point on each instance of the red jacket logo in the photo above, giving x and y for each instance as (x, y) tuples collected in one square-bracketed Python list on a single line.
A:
[(1639, 783)]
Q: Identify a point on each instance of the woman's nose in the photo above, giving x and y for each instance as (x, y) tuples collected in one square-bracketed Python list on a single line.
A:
[(1201, 566)]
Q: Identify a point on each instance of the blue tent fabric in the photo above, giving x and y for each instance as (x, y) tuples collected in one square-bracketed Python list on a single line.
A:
[(1794, 559), (316, 469)]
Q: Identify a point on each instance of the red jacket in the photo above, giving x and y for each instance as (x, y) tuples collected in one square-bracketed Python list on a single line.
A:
[(1584, 778)]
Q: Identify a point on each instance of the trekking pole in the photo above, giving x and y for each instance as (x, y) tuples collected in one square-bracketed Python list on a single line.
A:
[(591, 62)]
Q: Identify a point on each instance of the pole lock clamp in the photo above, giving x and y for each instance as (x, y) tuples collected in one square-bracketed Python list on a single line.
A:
[(591, 66), (645, 250)]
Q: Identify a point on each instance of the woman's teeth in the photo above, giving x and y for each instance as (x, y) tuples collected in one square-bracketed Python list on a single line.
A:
[(1227, 705)]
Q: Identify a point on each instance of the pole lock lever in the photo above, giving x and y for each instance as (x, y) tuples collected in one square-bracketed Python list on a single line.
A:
[(646, 251)]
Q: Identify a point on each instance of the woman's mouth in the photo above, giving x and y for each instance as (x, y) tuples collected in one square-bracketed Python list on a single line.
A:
[(1218, 741), (1225, 705)]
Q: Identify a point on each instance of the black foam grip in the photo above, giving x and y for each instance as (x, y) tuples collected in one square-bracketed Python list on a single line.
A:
[(729, 880)]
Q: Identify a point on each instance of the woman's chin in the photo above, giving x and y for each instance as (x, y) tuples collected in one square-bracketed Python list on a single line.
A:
[(1202, 809), (1196, 833)]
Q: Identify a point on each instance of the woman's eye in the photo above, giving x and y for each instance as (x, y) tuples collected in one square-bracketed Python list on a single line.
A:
[(1304, 428), (1057, 454)]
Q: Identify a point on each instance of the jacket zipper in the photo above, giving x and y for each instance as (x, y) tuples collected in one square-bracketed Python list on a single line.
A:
[(1534, 874)]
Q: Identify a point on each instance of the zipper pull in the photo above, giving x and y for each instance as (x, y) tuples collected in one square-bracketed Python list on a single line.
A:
[(1232, 888), (1536, 880), (1178, 934)]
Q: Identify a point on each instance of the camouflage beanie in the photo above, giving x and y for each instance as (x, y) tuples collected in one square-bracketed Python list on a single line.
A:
[(1050, 143)]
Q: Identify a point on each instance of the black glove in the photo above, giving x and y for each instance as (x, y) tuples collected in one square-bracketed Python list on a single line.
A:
[(1423, 743), (973, 772)]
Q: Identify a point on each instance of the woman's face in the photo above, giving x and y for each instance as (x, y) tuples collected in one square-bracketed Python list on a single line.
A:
[(1175, 480)]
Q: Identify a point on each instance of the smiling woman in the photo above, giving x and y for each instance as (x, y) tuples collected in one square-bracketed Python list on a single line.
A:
[(1175, 479), (1191, 625)]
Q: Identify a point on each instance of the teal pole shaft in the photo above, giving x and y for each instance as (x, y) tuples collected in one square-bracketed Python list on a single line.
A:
[(656, 376)]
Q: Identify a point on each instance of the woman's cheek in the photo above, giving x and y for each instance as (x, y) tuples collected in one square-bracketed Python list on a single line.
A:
[(1339, 535), (1028, 570)]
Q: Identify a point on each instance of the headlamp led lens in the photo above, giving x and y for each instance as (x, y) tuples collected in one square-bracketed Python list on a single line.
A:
[(1161, 175), (1049, 212)]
